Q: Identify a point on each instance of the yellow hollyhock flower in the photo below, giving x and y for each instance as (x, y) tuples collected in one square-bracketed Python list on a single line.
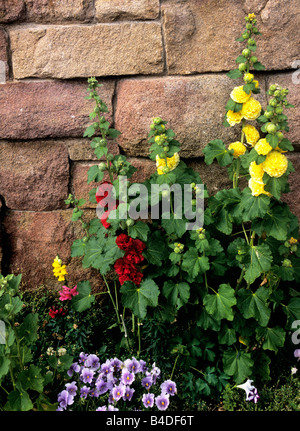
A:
[(263, 147), (256, 172), (234, 117), (238, 148), (251, 109), (251, 16), (238, 95), (257, 188), (172, 163), (275, 164), (251, 133)]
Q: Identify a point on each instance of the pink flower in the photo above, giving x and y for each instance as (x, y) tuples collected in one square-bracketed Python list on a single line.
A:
[(66, 294)]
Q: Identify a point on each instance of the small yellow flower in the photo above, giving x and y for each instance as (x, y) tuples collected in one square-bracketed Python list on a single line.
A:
[(238, 148), (257, 188), (275, 164), (238, 95), (251, 16), (234, 117), (263, 147), (256, 172), (256, 83), (251, 133), (251, 109), (293, 240), (172, 163), (59, 270)]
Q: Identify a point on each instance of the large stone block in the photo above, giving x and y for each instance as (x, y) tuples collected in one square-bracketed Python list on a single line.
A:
[(34, 176), (57, 10), (201, 36), (111, 10), (31, 110), (292, 198), (11, 10), (82, 51), (193, 106), (35, 238)]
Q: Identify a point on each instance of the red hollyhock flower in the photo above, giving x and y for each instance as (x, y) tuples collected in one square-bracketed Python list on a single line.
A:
[(54, 313), (124, 241), (102, 193), (125, 266)]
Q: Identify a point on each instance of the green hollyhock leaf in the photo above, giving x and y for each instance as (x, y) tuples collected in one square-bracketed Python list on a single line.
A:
[(207, 321), (137, 299), (275, 186), (195, 264), (220, 304), (156, 250), (84, 299), (177, 294), (94, 174), (234, 74), (174, 226), (216, 149), (273, 338), (78, 248), (292, 310), (254, 304), (27, 331), (258, 66), (32, 379), (19, 401), (227, 335), (253, 207), (275, 223), (93, 253), (238, 365), (259, 259), (4, 366), (139, 230)]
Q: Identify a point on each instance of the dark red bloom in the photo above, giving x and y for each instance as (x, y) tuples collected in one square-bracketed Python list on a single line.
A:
[(102, 192), (125, 266), (54, 313), (124, 241)]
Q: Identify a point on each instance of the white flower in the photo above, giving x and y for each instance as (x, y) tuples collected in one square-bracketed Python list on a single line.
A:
[(294, 370), (61, 351), (248, 387)]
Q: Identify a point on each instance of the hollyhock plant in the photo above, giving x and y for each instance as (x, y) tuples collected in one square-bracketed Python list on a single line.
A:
[(117, 383)]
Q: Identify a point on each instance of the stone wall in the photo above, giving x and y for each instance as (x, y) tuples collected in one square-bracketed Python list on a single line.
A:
[(165, 58)]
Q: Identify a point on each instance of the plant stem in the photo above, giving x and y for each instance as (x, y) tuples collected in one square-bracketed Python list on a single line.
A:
[(139, 337), (112, 299), (173, 369)]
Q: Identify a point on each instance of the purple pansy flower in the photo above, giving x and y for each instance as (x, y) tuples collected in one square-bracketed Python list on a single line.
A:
[(128, 393), (107, 368), (132, 365), (87, 375), (147, 382), (101, 386), (101, 409), (84, 391), (65, 399), (118, 392), (75, 368), (162, 402), (71, 388), (148, 400), (127, 377), (116, 364), (92, 361), (168, 387)]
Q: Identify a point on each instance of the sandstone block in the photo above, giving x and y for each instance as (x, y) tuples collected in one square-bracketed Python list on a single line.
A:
[(80, 149), (193, 106), (293, 197), (111, 10), (35, 238), (11, 10), (201, 36), (82, 51), (34, 176), (57, 10), (31, 110)]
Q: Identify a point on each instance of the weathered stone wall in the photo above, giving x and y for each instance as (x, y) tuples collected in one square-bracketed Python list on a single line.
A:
[(165, 58)]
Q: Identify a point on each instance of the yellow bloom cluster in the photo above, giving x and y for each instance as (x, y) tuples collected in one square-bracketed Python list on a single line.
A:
[(238, 95), (275, 164), (172, 163), (251, 134), (262, 147), (238, 148), (251, 108), (59, 270)]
